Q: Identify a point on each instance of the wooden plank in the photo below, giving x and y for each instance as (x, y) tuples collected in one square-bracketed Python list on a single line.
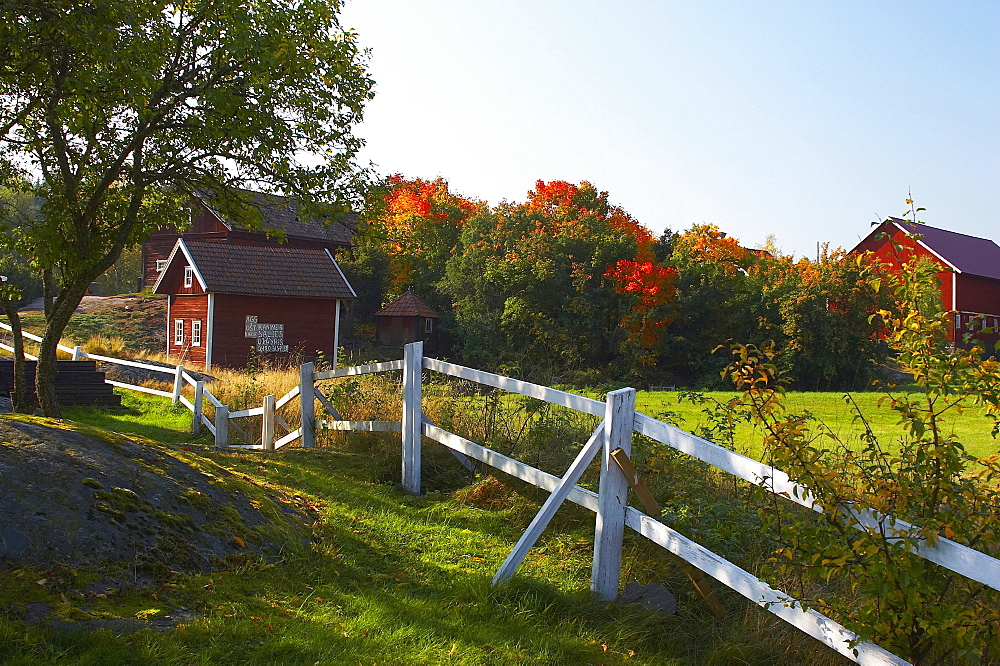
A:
[(282, 422), (208, 424), (412, 411), (140, 389), (25, 334), (212, 399), (132, 364), (954, 556), (256, 411), (221, 425), (554, 396), (652, 508), (551, 505), (362, 426), (267, 424), (516, 468), (358, 370), (307, 404), (199, 396), (178, 384), (326, 405), (11, 349), (609, 529), (289, 438), (285, 399), (749, 586), (459, 456)]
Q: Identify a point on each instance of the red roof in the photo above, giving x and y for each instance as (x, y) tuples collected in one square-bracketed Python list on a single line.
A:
[(407, 305), (965, 254), (260, 270)]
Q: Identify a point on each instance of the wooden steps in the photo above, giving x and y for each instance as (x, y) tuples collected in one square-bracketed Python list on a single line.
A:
[(77, 382)]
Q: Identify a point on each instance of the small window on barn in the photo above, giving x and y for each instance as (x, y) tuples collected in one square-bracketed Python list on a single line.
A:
[(178, 332), (161, 265), (188, 276), (196, 333), (429, 325)]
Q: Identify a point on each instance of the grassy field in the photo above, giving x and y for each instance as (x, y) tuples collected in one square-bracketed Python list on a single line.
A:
[(971, 426), (389, 578)]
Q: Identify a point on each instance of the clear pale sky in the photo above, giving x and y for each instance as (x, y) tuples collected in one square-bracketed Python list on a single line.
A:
[(807, 120)]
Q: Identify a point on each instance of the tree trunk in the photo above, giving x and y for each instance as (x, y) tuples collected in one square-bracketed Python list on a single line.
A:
[(20, 397), (55, 324), (47, 291)]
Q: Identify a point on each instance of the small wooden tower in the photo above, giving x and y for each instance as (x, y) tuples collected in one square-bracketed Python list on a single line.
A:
[(406, 319)]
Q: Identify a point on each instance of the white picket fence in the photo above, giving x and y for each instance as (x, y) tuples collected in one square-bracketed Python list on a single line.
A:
[(613, 515)]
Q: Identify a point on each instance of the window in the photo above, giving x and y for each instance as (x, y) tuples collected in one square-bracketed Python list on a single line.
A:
[(196, 333), (161, 264), (178, 332), (188, 276), (429, 325)]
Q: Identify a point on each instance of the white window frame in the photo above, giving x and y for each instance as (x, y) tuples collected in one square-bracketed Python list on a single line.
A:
[(188, 276), (196, 332), (161, 265), (429, 325), (178, 332)]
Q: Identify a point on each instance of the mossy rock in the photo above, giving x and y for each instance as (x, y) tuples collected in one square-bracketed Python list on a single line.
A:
[(70, 498)]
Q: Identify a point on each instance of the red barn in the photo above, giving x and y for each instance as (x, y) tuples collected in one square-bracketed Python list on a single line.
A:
[(284, 224), (970, 270), (226, 299), (406, 319)]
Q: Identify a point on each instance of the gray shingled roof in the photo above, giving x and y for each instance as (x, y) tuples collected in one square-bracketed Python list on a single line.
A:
[(284, 214), (407, 305), (968, 254), (266, 271)]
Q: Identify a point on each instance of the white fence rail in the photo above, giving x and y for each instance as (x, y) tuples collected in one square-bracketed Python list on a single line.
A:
[(608, 503)]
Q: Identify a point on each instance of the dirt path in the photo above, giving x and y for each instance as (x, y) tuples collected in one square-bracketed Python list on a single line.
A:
[(88, 304)]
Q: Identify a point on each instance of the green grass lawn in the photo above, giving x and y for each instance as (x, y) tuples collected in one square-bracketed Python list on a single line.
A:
[(971, 426), (389, 578)]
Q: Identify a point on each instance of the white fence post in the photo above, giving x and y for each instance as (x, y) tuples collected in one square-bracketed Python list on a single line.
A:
[(307, 401), (222, 425), (413, 364), (178, 384), (612, 494), (267, 425), (199, 395), (77, 350)]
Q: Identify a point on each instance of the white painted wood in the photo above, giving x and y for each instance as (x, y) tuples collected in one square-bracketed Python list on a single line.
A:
[(282, 422), (256, 411), (140, 389), (199, 395), (288, 397), (358, 370), (516, 468), (132, 364), (267, 425), (289, 438), (187, 403), (307, 405), (749, 586), (947, 553), (246, 446), (361, 426), (207, 422), (551, 505), (554, 396), (221, 425), (326, 405), (412, 422), (77, 350), (212, 399), (25, 334), (612, 494), (459, 456), (11, 349), (210, 332), (336, 331), (178, 384)]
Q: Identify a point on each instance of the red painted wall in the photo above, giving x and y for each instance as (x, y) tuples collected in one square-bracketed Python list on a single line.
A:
[(309, 326), (187, 308)]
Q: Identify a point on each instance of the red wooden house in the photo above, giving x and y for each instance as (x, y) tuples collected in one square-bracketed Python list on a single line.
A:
[(284, 224), (404, 320), (970, 271), (225, 299)]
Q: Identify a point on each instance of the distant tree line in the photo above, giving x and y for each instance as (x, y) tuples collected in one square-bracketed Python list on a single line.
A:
[(566, 287)]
